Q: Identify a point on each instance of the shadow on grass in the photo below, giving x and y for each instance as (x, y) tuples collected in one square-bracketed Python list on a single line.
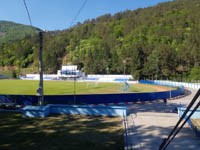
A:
[(60, 132)]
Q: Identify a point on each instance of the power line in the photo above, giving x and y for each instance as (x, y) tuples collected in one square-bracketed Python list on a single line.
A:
[(193, 111), (176, 129), (78, 13), (29, 17)]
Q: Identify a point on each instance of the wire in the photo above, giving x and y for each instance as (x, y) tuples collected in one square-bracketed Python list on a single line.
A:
[(196, 107), (29, 17), (78, 13), (166, 142), (73, 20)]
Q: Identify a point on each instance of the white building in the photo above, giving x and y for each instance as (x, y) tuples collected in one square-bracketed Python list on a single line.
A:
[(69, 71)]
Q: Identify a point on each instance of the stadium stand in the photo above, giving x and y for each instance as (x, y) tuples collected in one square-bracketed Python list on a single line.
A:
[(121, 80), (91, 79)]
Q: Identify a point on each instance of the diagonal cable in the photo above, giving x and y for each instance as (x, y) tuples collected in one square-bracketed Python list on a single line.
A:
[(29, 17), (193, 111), (78, 13), (180, 120)]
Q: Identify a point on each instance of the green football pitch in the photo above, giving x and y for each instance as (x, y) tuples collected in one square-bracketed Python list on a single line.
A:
[(29, 87)]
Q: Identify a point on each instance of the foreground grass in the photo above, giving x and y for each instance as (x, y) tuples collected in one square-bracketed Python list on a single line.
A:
[(27, 87), (63, 132)]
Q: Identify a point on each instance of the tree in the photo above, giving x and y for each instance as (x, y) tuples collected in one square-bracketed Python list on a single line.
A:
[(195, 73)]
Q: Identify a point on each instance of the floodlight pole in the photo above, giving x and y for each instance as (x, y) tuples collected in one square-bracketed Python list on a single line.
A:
[(74, 86), (40, 92), (124, 62), (107, 70)]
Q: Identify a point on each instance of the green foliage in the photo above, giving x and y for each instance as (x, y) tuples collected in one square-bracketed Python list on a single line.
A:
[(15, 74), (156, 42), (10, 31), (195, 73)]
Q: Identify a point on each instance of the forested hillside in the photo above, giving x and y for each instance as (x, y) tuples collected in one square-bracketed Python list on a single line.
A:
[(155, 42), (10, 31)]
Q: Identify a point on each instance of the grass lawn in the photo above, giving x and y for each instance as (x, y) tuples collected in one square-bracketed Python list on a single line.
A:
[(60, 132), (28, 87)]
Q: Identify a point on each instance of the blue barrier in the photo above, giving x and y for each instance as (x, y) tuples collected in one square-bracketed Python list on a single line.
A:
[(44, 111), (19, 99), (113, 98), (92, 79), (196, 115), (121, 80), (36, 111), (96, 98), (158, 83), (48, 78)]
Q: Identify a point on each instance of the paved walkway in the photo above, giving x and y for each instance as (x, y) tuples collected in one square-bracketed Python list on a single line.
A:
[(149, 123)]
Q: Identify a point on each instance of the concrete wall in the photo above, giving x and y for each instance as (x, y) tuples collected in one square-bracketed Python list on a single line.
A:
[(36, 111), (109, 76), (196, 115), (37, 77), (43, 111)]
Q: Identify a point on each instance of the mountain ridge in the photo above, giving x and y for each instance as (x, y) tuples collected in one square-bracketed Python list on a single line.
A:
[(157, 42), (11, 31)]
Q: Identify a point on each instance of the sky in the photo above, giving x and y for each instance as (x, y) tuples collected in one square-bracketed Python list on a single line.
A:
[(58, 14)]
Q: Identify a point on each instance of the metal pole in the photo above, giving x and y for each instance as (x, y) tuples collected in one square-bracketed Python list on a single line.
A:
[(40, 92), (124, 61), (107, 70), (74, 86), (124, 69)]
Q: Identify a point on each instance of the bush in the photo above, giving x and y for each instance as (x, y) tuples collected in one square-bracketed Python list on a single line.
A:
[(15, 74), (195, 73)]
